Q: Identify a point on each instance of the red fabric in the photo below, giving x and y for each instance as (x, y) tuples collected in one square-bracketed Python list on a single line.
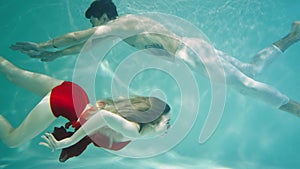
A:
[(74, 150), (68, 100), (100, 140)]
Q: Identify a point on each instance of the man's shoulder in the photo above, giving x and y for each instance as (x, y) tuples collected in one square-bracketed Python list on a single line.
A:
[(132, 17)]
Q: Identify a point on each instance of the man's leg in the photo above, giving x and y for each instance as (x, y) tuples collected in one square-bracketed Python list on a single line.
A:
[(267, 55), (235, 78), (283, 44), (258, 90)]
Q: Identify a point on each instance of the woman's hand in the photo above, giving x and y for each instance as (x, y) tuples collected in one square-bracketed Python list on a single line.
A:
[(52, 143)]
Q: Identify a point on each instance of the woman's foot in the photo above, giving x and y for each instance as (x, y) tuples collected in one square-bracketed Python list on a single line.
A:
[(2, 64), (2, 60), (5, 65)]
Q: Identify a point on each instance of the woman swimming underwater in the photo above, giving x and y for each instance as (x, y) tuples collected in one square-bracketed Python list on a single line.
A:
[(110, 124)]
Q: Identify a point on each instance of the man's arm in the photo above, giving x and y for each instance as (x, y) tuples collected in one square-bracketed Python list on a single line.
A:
[(48, 56), (124, 27), (118, 28), (70, 42), (69, 39)]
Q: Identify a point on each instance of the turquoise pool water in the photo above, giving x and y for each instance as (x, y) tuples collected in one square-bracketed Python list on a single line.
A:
[(250, 134)]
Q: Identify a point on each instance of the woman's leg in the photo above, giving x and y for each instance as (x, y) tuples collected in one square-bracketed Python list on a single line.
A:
[(36, 122), (39, 84), (267, 55), (40, 117)]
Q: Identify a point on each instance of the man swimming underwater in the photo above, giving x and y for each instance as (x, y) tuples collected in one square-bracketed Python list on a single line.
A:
[(143, 33)]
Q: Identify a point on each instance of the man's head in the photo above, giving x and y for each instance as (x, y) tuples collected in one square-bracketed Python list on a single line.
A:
[(101, 11)]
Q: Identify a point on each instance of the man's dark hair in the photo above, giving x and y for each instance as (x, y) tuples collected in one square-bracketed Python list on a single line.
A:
[(99, 7)]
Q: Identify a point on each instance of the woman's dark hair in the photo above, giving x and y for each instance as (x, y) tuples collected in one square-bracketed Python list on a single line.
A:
[(99, 7)]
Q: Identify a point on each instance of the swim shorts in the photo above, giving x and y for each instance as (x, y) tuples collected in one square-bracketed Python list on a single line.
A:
[(68, 100)]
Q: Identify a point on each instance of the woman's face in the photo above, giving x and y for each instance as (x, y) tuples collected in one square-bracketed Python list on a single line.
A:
[(165, 121), (157, 128)]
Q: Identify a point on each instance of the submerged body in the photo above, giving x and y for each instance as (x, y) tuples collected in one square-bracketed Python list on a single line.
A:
[(142, 33), (105, 126)]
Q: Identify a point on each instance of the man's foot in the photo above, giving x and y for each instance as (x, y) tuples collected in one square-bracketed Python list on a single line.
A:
[(291, 107), (293, 37), (295, 31)]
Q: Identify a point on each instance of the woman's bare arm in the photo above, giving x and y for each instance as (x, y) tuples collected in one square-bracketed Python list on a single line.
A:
[(96, 122)]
